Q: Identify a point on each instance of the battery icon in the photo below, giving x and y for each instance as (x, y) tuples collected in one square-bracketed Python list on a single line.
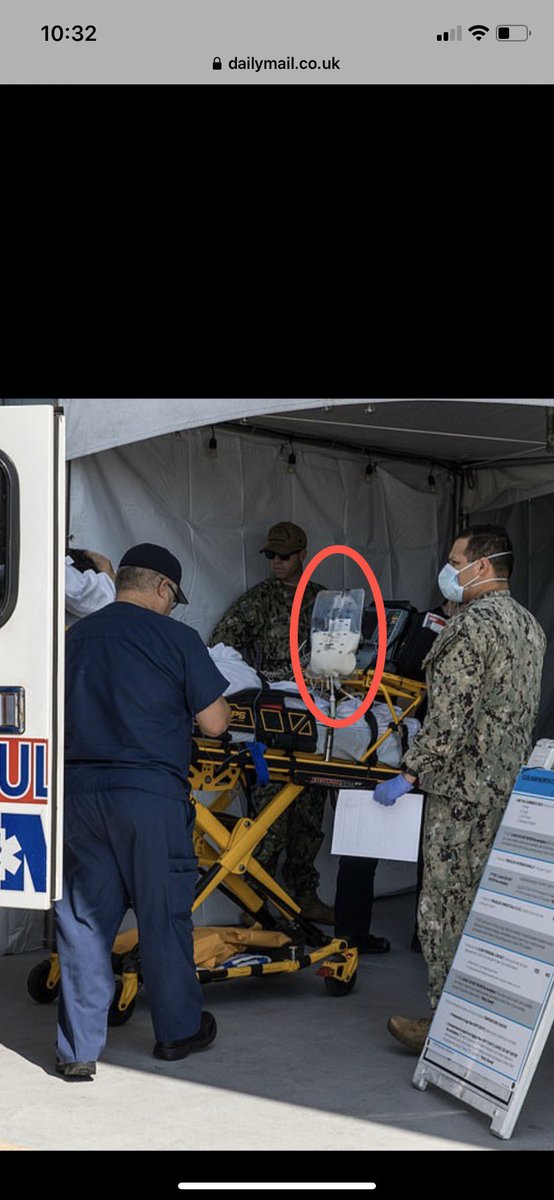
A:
[(512, 33)]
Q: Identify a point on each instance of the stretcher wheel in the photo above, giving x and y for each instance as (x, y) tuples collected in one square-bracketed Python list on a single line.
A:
[(36, 983), (336, 987), (115, 1015)]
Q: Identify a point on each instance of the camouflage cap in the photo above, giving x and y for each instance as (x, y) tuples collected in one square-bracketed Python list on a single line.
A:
[(285, 538)]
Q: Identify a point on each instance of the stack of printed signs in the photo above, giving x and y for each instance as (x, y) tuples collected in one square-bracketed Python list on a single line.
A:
[(497, 1006)]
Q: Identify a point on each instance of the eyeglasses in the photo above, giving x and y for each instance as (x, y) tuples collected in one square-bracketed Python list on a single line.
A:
[(273, 554), (176, 600)]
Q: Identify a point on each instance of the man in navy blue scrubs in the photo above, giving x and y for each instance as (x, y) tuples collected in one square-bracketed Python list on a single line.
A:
[(134, 681)]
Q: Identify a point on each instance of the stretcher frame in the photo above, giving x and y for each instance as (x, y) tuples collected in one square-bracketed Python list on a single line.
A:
[(225, 845)]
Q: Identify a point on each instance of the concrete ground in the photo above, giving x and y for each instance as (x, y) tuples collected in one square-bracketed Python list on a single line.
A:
[(292, 1069)]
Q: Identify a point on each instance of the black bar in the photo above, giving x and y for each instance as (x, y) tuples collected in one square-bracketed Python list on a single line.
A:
[(205, 975), (315, 936), (49, 930), (206, 879), (261, 915), (13, 535)]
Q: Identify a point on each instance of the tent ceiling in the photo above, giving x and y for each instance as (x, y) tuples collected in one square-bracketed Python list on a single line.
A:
[(448, 431), (460, 431)]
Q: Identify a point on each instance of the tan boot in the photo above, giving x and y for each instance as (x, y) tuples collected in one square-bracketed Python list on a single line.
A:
[(314, 909), (412, 1033)]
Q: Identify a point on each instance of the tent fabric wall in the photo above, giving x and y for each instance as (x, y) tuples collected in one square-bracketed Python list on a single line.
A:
[(214, 514), (497, 487), (21, 930)]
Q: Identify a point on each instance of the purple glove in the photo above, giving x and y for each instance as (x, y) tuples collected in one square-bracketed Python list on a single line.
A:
[(388, 793)]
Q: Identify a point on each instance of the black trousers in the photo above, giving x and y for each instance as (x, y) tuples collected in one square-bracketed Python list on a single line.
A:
[(354, 894), (354, 897)]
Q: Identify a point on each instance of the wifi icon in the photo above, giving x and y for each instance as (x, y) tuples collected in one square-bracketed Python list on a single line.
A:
[(478, 31)]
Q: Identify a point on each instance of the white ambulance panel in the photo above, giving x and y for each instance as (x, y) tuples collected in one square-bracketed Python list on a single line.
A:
[(32, 542)]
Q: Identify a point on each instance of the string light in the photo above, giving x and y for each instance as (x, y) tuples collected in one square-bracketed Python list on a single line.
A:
[(550, 428), (212, 445), (369, 471)]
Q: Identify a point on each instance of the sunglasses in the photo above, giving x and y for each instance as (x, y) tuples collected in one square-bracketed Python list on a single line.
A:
[(283, 557), (176, 600)]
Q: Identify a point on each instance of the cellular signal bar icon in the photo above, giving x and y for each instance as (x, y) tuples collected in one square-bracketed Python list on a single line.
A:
[(455, 35)]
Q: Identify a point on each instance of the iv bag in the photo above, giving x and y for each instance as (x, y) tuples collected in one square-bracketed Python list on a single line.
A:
[(336, 632)]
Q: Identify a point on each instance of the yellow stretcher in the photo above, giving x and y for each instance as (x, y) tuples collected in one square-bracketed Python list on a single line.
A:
[(225, 846)]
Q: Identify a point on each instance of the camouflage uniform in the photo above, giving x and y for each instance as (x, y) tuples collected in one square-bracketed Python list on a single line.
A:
[(483, 677), (258, 626)]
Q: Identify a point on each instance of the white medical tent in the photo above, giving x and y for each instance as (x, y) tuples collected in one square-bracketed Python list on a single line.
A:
[(392, 479), (143, 470)]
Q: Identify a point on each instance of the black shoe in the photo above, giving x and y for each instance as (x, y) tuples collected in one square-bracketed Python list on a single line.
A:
[(373, 945), (76, 1070), (173, 1050)]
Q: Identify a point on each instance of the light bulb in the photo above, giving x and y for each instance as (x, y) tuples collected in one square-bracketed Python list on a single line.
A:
[(212, 445)]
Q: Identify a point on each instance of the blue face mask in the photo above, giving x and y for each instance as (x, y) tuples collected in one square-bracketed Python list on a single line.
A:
[(448, 578)]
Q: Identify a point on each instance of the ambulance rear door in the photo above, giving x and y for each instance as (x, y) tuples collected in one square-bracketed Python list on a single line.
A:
[(32, 545)]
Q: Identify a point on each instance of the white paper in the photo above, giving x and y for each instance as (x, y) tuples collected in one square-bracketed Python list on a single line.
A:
[(370, 830)]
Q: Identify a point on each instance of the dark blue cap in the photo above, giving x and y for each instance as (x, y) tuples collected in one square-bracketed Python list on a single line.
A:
[(156, 558)]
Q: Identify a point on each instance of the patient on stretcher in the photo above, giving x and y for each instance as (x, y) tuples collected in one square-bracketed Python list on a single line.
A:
[(350, 742)]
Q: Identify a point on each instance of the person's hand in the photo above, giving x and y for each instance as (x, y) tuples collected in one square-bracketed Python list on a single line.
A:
[(388, 793), (102, 563)]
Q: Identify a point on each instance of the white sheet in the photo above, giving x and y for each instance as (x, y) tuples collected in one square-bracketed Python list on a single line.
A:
[(233, 667)]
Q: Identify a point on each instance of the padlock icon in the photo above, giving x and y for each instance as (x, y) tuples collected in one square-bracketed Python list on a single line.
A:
[(216, 65)]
